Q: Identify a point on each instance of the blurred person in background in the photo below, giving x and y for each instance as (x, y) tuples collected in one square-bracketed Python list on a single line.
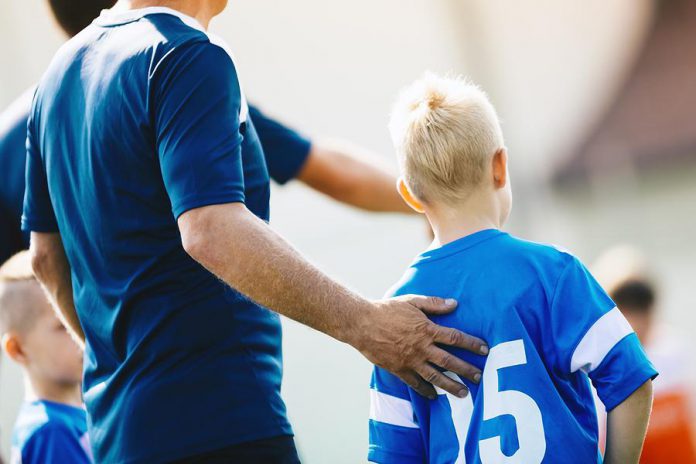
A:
[(625, 274), (52, 423), (344, 172)]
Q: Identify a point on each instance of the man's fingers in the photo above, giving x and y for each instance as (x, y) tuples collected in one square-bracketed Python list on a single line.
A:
[(453, 337), (421, 387), (449, 362), (431, 304), (440, 380)]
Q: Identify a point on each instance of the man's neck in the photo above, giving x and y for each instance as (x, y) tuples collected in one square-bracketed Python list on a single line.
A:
[(451, 223), (197, 9), (40, 390)]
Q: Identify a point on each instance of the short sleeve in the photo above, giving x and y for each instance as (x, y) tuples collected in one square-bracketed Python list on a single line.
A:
[(590, 335), (395, 436), (624, 369), (38, 214), (53, 444), (197, 104), (285, 149)]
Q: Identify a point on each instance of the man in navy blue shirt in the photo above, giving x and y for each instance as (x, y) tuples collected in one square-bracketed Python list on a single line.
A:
[(334, 169), (147, 201)]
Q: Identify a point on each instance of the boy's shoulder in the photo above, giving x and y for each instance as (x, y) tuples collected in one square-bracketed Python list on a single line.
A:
[(549, 256), (500, 253), (45, 427), (41, 418)]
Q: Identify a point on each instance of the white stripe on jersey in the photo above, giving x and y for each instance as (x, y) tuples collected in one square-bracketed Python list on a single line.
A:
[(604, 334), (220, 42), (391, 410)]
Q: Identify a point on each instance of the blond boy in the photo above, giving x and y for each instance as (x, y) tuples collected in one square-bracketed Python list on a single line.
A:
[(550, 326), (51, 426)]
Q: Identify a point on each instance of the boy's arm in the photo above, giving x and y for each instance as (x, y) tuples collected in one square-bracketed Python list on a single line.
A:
[(626, 427)]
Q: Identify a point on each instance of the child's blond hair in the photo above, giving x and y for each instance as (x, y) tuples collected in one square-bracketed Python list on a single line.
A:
[(445, 131), (15, 275)]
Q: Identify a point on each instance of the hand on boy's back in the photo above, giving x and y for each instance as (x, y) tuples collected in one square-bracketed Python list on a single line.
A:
[(400, 338)]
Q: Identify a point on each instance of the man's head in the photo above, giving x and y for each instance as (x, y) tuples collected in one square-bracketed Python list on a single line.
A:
[(75, 15), (624, 274), (31, 333), (449, 144)]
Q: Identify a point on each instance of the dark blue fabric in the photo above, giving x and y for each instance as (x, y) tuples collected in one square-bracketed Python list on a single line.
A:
[(137, 120), (51, 433), (13, 136), (286, 149)]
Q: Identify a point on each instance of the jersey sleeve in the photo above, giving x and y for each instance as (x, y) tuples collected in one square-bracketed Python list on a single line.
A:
[(38, 214), (590, 335), (197, 105), (53, 444), (285, 149), (395, 436)]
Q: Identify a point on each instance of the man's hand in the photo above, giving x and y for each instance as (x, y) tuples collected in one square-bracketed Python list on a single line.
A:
[(400, 338), (244, 252)]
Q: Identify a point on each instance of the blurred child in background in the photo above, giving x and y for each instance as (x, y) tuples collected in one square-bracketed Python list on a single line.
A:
[(51, 427), (623, 271)]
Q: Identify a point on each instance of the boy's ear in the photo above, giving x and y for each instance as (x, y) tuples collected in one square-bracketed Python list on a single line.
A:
[(499, 164), (408, 197), (13, 348)]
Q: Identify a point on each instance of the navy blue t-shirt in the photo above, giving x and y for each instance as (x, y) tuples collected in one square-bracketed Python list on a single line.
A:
[(50, 433), (13, 136), (139, 119), (285, 151)]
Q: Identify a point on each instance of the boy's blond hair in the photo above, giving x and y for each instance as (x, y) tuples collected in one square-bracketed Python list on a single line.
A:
[(16, 276), (445, 131)]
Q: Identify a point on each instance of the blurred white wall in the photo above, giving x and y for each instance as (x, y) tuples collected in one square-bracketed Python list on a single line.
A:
[(334, 68)]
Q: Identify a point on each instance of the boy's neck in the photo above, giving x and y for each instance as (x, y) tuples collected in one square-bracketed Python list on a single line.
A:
[(37, 389), (450, 223)]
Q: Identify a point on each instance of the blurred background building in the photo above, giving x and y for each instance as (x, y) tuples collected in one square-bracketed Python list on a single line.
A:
[(598, 103)]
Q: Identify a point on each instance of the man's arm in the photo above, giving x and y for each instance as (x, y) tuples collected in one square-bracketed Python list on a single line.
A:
[(52, 270), (626, 426), (346, 174), (244, 252)]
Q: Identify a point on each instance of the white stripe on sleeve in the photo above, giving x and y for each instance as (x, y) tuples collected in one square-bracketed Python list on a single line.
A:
[(391, 410), (604, 334)]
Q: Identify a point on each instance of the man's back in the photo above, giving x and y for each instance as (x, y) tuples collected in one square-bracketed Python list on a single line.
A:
[(548, 323), (138, 120)]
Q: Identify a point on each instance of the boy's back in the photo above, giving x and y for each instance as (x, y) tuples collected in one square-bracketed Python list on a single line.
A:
[(548, 323)]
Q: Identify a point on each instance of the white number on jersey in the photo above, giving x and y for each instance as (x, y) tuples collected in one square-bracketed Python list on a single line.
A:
[(530, 428)]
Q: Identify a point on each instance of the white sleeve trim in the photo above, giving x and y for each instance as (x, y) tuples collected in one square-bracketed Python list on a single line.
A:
[(391, 410), (604, 334)]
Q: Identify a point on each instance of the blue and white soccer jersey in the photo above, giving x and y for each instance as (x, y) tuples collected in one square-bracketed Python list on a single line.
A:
[(551, 330)]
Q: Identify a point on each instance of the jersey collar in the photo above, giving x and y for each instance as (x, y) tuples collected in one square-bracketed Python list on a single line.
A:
[(118, 17)]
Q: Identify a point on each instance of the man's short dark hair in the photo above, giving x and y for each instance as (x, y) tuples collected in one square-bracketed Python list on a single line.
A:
[(75, 15), (635, 295)]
